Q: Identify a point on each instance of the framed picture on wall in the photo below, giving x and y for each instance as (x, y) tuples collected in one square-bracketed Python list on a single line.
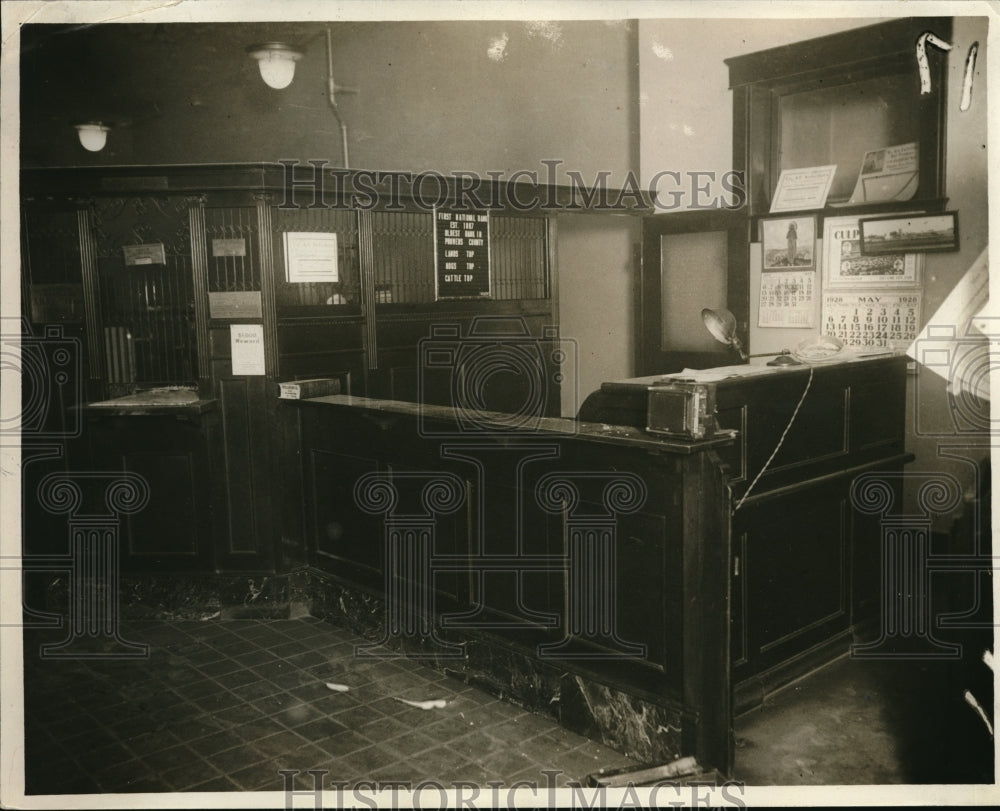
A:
[(923, 232), (846, 266), (788, 243)]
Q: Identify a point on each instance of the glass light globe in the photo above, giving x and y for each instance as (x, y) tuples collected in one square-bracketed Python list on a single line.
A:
[(93, 136), (276, 62)]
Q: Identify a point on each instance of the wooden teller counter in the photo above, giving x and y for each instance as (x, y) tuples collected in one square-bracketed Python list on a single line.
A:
[(641, 572)]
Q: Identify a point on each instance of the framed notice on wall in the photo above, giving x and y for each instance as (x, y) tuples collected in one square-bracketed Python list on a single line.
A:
[(461, 254), (310, 257)]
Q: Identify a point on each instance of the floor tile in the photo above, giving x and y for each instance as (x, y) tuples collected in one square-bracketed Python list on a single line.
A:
[(299, 714), (216, 742), (121, 775), (237, 715), (341, 743), (257, 729), (218, 701), (194, 727), (234, 759), (304, 757), (92, 759), (148, 742), (259, 776), (383, 728), (220, 667), (182, 778), (320, 728), (357, 716), (165, 760), (222, 705), (410, 744), (216, 784), (278, 743), (275, 703)]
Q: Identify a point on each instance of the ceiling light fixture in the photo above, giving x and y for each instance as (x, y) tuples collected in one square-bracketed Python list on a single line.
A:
[(276, 62), (93, 135)]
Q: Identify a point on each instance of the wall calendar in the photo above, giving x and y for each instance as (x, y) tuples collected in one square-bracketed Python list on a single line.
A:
[(872, 319)]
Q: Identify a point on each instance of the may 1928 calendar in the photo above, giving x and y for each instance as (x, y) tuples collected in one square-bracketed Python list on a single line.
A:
[(872, 319)]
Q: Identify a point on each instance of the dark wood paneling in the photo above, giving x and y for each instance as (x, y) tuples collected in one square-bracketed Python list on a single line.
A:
[(851, 415), (512, 550), (798, 583), (819, 430), (304, 338), (875, 408), (234, 397), (174, 530), (805, 566), (738, 600), (173, 503), (346, 540)]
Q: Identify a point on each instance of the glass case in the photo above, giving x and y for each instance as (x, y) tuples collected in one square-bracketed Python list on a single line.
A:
[(834, 99), (838, 125)]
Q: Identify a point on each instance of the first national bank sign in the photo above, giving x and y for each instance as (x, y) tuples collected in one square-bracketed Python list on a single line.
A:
[(461, 254)]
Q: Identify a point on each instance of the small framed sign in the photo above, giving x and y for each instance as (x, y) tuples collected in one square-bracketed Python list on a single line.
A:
[(229, 247), (461, 254), (150, 254), (232, 305)]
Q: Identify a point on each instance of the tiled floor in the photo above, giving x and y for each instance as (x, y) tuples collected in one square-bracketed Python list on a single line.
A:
[(223, 705)]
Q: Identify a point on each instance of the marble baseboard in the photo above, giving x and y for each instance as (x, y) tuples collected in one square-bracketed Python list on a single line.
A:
[(175, 596), (646, 731)]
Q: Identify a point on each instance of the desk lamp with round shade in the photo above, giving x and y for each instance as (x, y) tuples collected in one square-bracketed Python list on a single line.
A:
[(722, 324)]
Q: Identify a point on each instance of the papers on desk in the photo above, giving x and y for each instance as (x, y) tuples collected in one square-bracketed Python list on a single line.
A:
[(714, 375)]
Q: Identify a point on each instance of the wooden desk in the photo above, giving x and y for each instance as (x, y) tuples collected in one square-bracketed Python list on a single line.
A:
[(804, 573), (578, 569)]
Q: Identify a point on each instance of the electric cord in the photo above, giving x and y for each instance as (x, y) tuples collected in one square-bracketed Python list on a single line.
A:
[(781, 441)]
